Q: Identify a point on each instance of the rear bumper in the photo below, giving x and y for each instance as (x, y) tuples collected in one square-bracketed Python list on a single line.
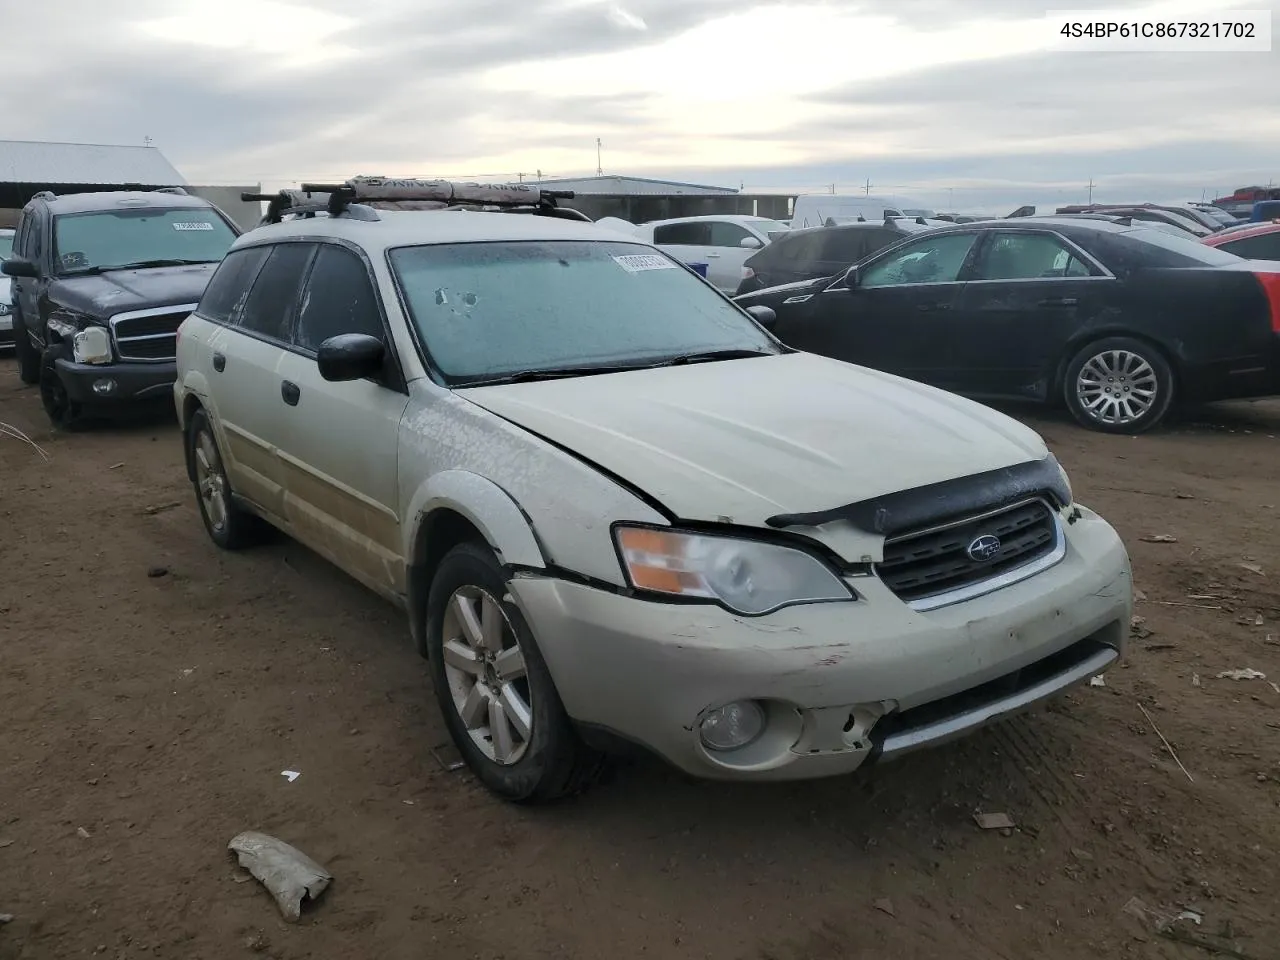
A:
[(117, 382), (1238, 379)]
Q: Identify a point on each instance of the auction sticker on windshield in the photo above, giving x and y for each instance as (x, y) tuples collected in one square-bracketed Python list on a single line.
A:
[(637, 262), (192, 225)]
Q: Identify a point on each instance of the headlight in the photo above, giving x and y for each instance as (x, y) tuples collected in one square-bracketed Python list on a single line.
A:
[(91, 345), (747, 576)]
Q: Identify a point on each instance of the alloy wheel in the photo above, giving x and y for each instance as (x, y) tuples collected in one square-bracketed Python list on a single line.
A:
[(211, 481), (1117, 387), (488, 680)]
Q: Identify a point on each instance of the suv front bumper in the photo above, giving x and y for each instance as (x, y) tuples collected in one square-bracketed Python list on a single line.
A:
[(100, 384), (842, 683)]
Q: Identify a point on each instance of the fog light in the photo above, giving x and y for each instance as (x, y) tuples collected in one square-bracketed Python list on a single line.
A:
[(732, 726), (104, 386)]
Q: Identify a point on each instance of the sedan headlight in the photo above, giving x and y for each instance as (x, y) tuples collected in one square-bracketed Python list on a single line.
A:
[(750, 577), (91, 345)]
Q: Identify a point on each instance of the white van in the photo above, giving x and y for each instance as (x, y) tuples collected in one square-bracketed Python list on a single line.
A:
[(815, 209)]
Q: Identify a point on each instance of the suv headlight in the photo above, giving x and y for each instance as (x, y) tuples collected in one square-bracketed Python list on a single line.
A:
[(91, 345), (750, 577)]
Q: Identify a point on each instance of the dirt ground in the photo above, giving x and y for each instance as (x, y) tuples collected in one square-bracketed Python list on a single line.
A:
[(145, 719)]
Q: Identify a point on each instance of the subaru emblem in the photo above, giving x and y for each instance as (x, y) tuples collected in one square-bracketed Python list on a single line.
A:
[(984, 548)]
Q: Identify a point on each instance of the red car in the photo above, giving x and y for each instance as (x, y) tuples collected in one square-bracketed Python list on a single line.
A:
[(1257, 241)]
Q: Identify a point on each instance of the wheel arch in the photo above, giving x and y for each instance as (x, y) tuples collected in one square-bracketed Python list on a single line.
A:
[(454, 507)]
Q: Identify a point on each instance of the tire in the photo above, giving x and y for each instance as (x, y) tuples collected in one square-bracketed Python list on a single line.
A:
[(1135, 370), (27, 356), (63, 412), (544, 761), (228, 526)]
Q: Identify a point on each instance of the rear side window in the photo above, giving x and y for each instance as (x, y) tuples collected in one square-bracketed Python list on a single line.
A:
[(1265, 246), (726, 234), (850, 246), (230, 283), (339, 299), (683, 234), (269, 307)]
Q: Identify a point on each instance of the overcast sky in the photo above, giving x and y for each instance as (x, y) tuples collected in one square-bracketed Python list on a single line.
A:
[(960, 103)]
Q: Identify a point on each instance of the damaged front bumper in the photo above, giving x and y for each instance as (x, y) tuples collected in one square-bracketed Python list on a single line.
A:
[(838, 683)]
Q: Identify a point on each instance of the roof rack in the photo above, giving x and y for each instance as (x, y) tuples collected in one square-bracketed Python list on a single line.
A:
[(361, 197)]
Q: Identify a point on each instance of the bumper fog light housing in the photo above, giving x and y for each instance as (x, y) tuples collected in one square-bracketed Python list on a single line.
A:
[(733, 726), (104, 387)]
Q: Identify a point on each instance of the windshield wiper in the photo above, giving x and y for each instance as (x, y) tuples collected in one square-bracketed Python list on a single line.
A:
[(136, 265), (554, 373), (709, 355)]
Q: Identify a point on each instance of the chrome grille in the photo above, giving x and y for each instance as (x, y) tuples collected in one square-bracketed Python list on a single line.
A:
[(938, 561), (149, 334)]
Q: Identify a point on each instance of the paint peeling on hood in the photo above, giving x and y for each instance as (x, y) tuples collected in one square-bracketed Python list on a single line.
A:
[(747, 439)]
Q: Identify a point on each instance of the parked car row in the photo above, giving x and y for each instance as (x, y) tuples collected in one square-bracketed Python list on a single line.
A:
[(1104, 315), (615, 509)]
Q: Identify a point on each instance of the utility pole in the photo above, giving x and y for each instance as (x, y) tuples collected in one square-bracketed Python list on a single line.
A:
[(520, 177), (146, 141), (1091, 189), (599, 167), (868, 187)]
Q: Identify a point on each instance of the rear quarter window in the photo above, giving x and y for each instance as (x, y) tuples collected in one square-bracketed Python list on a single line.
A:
[(1265, 246), (230, 283), (1147, 249)]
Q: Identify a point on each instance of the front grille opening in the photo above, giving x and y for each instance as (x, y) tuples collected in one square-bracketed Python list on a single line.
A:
[(148, 338), (993, 691), (935, 561)]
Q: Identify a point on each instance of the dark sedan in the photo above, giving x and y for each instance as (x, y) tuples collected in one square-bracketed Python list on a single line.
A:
[(1114, 319)]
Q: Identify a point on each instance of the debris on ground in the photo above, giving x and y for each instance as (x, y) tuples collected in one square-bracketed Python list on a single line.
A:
[(1167, 745), (290, 775), (1098, 681), (994, 821), (1160, 538), (1195, 679), (155, 573), (5, 918), (171, 505), (287, 873), (1248, 673), (885, 906), (82, 833), (1253, 568)]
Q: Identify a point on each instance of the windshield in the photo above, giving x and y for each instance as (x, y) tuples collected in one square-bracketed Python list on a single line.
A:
[(772, 228), (117, 238), (6, 244), (486, 311), (1183, 245)]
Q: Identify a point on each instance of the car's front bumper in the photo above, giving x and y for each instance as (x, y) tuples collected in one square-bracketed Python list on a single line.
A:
[(843, 682), (117, 383)]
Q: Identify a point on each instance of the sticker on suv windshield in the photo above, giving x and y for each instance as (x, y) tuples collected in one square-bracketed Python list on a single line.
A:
[(192, 225), (636, 262)]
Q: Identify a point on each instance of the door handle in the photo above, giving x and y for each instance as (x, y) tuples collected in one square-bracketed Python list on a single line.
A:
[(219, 362), (1059, 302), (290, 392)]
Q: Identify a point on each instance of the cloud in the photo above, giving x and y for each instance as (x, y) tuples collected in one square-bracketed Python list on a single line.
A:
[(811, 92)]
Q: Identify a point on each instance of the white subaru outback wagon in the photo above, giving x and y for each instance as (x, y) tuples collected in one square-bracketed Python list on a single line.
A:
[(616, 509)]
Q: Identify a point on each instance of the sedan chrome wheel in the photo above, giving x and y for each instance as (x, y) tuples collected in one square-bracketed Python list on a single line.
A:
[(485, 669), (211, 481), (1117, 387)]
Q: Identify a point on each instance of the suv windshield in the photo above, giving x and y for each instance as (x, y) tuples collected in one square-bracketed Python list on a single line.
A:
[(487, 311), (110, 239), (6, 244)]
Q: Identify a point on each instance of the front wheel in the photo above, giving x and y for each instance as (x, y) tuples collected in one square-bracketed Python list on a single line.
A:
[(62, 411), (230, 527), (494, 690), (1119, 385)]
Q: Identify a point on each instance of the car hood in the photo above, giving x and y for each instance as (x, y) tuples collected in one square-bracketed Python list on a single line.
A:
[(742, 440), (105, 294)]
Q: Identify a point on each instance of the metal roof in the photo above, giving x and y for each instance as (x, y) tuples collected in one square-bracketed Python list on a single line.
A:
[(36, 162), (615, 186)]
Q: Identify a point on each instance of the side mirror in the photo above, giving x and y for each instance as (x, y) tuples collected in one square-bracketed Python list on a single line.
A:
[(751, 243), (350, 356), (19, 268), (767, 317), (852, 279)]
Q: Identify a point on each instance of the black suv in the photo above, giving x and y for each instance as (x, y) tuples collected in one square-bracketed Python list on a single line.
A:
[(101, 282), (820, 252)]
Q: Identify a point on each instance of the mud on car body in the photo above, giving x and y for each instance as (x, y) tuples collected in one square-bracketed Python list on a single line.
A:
[(100, 283), (616, 509)]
